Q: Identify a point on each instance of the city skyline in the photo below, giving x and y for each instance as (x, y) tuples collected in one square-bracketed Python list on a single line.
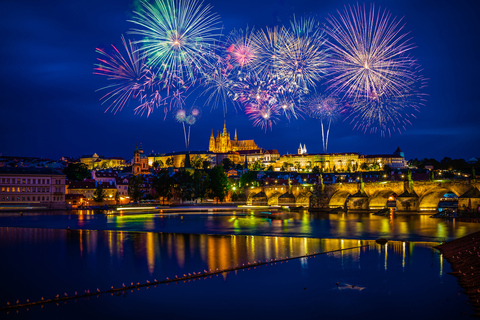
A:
[(51, 107)]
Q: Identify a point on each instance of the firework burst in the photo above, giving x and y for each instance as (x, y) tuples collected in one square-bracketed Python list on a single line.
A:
[(369, 54), (176, 35), (302, 55), (127, 73), (241, 49), (327, 109)]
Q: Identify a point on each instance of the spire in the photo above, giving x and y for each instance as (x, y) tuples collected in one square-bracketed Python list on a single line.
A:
[(224, 128), (211, 137), (235, 134), (218, 134), (187, 161)]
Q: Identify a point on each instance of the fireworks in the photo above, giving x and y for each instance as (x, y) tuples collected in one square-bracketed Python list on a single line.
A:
[(127, 73), (267, 44), (372, 69), (327, 110), (241, 48), (189, 117), (218, 88), (262, 115), (176, 35), (301, 58), (369, 54), (365, 62)]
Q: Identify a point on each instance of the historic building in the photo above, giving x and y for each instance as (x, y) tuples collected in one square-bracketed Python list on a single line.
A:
[(95, 161), (394, 161), (41, 187), (223, 143), (140, 162)]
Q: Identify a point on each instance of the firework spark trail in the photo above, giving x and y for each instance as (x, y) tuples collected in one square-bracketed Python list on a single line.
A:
[(176, 34), (127, 73), (302, 54), (326, 109), (217, 86), (266, 43), (369, 54), (372, 69)]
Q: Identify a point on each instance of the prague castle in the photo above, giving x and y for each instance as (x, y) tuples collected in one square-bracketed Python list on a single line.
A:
[(223, 143)]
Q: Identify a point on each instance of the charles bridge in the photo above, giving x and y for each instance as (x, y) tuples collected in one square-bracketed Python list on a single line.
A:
[(407, 196)]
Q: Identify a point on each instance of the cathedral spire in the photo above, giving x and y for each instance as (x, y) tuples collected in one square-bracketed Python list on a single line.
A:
[(235, 134), (211, 137), (224, 127)]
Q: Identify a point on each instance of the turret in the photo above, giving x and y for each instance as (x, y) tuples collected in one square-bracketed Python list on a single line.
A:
[(224, 128)]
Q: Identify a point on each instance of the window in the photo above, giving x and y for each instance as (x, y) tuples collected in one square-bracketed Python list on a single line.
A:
[(8, 180), (23, 189), (3, 180), (43, 198), (33, 181), (48, 181), (18, 189), (13, 180), (33, 198), (47, 198), (28, 181), (48, 189), (33, 189), (28, 189), (3, 189), (18, 180), (24, 181), (8, 189), (23, 198), (43, 189), (28, 198)]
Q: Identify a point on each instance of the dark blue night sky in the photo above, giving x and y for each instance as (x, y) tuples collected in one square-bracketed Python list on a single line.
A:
[(50, 107)]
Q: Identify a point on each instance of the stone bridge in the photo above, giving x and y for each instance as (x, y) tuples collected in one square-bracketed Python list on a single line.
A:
[(413, 196)]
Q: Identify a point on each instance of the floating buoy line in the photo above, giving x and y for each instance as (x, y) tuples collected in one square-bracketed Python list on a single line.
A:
[(184, 278)]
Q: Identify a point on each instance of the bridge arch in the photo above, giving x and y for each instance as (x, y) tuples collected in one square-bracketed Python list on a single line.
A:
[(338, 199), (380, 198), (430, 200)]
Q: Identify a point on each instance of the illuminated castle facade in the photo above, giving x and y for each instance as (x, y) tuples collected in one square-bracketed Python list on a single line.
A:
[(223, 143)]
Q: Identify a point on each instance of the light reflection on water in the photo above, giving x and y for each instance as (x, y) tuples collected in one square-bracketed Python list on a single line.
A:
[(49, 261), (298, 224)]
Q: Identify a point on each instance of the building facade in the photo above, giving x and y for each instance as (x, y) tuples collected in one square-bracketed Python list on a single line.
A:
[(36, 187)]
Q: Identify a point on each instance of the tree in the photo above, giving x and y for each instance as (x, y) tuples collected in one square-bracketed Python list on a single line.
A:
[(297, 165), (201, 183), (256, 166), (364, 166), (270, 168), (316, 169), (162, 184), (99, 193), (206, 164), (218, 184), (196, 162), (157, 164), (117, 197), (387, 169), (77, 172), (249, 178), (227, 164), (135, 188), (183, 185), (170, 162)]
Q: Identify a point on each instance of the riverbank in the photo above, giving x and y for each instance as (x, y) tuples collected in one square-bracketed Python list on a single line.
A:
[(463, 254)]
